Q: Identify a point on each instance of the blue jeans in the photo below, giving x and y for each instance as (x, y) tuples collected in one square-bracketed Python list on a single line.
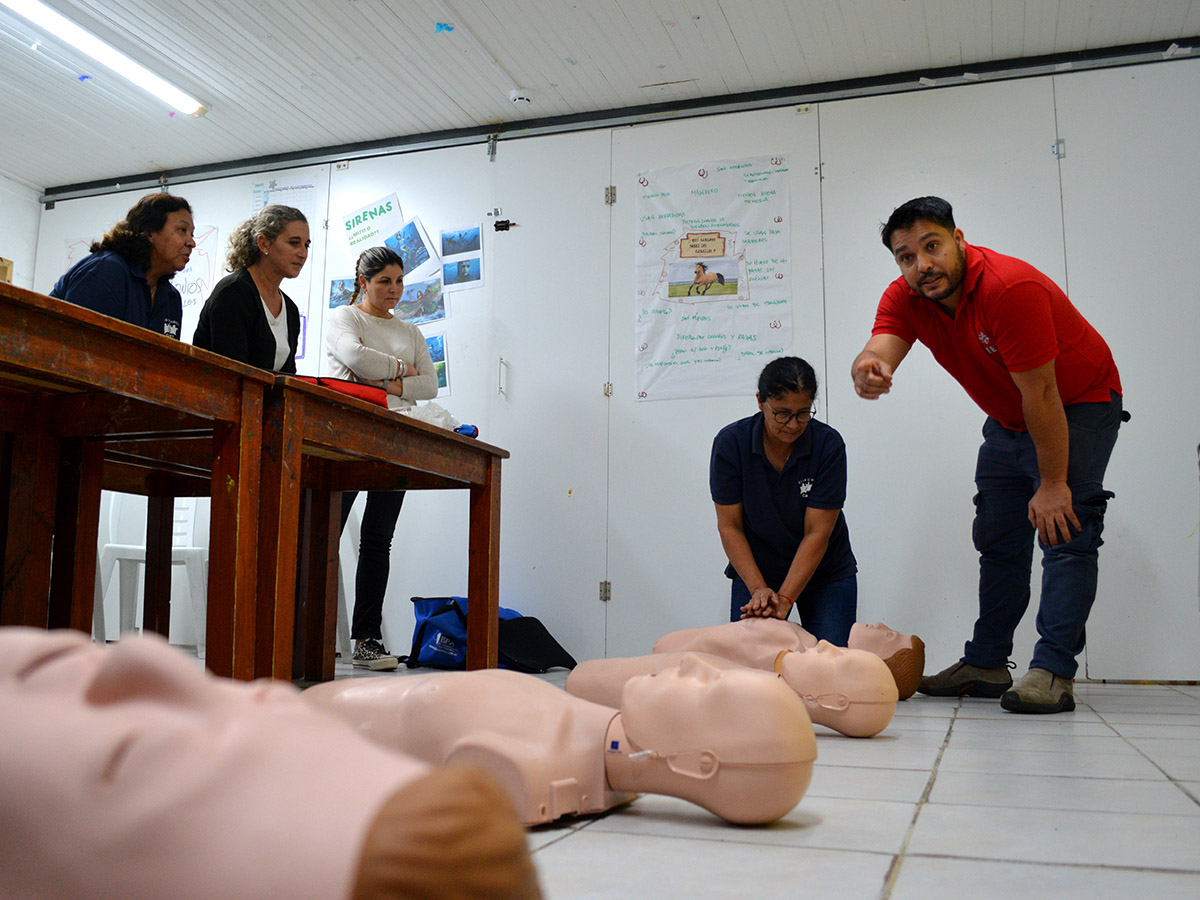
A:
[(1007, 478), (827, 612)]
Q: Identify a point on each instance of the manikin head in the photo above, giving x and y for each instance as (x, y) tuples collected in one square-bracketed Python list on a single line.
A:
[(736, 741), (904, 654), (878, 638), (851, 691)]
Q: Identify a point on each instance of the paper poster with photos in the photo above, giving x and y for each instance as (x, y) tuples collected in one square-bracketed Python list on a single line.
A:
[(412, 244), (437, 352), (423, 301)]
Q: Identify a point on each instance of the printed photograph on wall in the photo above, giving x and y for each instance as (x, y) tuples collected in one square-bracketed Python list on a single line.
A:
[(422, 301), (340, 292), (437, 352), (411, 242), (703, 278), (461, 241), (462, 274)]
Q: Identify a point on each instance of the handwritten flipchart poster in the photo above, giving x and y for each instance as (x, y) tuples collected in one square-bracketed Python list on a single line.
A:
[(713, 277)]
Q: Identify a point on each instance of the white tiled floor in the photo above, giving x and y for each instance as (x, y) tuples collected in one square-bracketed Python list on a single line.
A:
[(955, 799)]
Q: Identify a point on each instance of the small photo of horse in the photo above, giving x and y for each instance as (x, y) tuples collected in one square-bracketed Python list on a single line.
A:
[(707, 278)]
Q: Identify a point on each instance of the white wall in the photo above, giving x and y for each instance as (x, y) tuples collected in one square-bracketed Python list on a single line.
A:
[(613, 489), (19, 229)]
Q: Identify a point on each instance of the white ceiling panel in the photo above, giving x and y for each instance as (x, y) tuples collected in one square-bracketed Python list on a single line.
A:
[(289, 76)]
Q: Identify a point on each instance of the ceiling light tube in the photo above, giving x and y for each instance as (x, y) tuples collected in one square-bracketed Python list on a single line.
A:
[(62, 27)]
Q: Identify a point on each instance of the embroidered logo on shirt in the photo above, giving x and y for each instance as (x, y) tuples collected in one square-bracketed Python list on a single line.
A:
[(805, 486), (987, 343)]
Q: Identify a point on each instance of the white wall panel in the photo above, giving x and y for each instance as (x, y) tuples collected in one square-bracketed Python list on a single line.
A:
[(1130, 184)]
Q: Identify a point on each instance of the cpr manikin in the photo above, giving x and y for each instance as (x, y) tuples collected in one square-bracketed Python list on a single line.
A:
[(756, 642), (130, 772), (904, 654), (851, 691), (735, 741)]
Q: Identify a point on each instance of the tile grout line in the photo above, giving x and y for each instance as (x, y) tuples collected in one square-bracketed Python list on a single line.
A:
[(1176, 782), (893, 872)]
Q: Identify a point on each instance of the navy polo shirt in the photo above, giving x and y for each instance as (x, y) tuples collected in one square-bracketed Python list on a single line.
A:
[(774, 503), (107, 283)]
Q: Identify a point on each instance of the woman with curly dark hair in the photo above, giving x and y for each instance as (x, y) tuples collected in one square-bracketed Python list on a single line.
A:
[(128, 273), (247, 316)]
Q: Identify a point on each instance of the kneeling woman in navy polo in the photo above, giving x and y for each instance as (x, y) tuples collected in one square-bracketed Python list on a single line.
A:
[(778, 479)]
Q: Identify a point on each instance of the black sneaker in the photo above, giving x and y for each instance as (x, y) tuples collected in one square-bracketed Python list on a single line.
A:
[(962, 680), (371, 654)]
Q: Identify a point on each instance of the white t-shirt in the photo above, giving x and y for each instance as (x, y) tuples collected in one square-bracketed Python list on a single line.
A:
[(362, 347), (279, 329)]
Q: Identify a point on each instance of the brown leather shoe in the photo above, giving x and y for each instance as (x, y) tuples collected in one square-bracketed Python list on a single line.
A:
[(1040, 691), (962, 680)]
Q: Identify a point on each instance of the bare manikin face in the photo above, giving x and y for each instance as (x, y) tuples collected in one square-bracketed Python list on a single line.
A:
[(851, 691), (738, 715), (878, 638)]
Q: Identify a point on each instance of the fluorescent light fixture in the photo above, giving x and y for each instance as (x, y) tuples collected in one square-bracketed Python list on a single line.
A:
[(62, 27)]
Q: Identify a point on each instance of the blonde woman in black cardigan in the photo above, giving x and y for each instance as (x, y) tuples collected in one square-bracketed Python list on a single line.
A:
[(247, 316)]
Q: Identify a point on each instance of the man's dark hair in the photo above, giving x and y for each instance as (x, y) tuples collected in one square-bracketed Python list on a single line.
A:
[(930, 209)]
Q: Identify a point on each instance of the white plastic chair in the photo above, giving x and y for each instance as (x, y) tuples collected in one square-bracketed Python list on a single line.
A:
[(122, 522)]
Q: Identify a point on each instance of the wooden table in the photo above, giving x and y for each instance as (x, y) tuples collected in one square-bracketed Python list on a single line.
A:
[(87, 401), (317, 443)]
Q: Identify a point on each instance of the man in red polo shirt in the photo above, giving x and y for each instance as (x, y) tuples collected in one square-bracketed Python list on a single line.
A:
[(1052, 394)]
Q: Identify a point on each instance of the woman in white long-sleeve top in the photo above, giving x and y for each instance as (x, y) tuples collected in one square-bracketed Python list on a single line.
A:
[(365, 342)]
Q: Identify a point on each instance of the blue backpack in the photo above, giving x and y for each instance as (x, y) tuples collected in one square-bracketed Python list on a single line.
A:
[(440, 638)]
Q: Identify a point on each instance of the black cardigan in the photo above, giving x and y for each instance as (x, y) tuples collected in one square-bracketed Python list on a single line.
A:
[(234, 324)]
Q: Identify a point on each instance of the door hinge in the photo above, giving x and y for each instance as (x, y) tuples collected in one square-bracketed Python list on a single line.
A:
[(1059, 149), (605, 591), (608, 389), (610, 194)]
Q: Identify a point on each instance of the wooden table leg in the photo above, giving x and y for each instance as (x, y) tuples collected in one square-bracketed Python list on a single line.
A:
[(160, 527), (33, 486), (278, 536), (233, 542), (73, 569), (483, 572), (6, 452), (318, 583)]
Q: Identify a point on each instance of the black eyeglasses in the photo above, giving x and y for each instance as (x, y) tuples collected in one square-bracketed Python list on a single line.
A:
[(782, 416)]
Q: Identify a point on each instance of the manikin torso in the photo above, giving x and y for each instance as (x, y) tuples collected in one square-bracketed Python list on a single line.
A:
[(164, 781), (543, 745), (751, 642), (737, 742)]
